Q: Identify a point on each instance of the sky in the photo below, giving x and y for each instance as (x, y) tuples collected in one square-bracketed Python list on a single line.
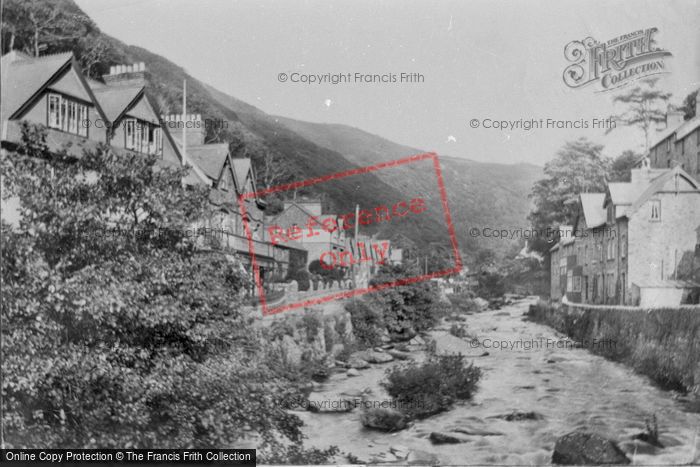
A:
[(486, 60)]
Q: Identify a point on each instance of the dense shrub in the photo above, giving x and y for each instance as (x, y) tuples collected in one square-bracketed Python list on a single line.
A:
[(491, 285), (431, 387), (407, 309), (311, 323), (302, 277), (367, 322), (462, 302), (458, 330), (131, 338)]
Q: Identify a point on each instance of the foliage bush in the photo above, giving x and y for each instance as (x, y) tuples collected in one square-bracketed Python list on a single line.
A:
[(128, 338), (303, 279), (424, 389), (311, 322), (458, 330), (462, 302), (491, 285), (407, 309), (367, 322)]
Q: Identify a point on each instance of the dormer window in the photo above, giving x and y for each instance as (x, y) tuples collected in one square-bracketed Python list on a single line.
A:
[(67, 115), (143, 137), (655, 213)]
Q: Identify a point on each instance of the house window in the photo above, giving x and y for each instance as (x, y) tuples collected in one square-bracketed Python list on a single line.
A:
[(668, 145), (683, 146), (610, 253), (570, 281), (143, 137), (623, 246), (67, 115), (577, 284), (655, 213)]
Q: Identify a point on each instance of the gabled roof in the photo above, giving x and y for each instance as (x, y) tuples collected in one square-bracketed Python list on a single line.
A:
[(624, 192), (116, 100), (658, 183), (593, 209), (210, 158), (661, 136), (681, 131), (688, 127), (241, 168), (24, 78)]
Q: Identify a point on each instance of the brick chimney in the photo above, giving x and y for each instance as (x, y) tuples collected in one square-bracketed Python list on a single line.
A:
[(193, 124), (127, 75)]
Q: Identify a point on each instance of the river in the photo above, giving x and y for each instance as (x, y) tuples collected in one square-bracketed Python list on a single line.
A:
[(569, 387)]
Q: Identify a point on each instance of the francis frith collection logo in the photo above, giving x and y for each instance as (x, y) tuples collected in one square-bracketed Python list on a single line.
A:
[(614, 63)]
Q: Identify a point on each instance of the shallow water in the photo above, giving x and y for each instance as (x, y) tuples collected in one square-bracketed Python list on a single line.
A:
[(570, 387)]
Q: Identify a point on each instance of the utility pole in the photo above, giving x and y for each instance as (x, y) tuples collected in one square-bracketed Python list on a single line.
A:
[(184, 122), (357, 230)]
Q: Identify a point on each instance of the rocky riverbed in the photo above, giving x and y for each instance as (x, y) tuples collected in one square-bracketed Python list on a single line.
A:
[(536, 388)]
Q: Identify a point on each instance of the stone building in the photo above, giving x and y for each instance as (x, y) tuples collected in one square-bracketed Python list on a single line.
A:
[(635, 244)]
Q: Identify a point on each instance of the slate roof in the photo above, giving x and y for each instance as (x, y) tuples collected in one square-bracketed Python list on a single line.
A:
[(658, 183), (625, 193), (210, 158), (241, 166), (115, 99), (593, 210), (681, 131), (23, 76)]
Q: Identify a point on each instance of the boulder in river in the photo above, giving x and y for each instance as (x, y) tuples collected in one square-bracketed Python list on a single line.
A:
[(384, 419), (517, 416), (357, 363), (372, 356), (477, 432), (399, 355), (352, 372), (401, 452), (580, 447), (325, 403), (422, 458), (438, 437), (480, 304)]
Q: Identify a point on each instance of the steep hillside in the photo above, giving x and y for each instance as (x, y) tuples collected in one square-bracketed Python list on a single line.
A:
[(283, 150), (481, 195)]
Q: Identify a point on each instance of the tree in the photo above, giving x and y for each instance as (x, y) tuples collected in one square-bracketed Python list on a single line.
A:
[(407, 309), (578, 167), (117, 331), (36, 24), (645, 108), (689, 105), (621, 167)]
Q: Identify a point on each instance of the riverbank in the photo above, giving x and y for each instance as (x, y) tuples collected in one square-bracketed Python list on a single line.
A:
[(527, 398), (663, 344)]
